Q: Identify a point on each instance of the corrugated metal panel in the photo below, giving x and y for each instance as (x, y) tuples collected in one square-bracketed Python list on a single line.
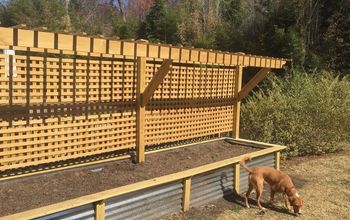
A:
[(211, 186), (85, 212), (146, 204), (266, 160)]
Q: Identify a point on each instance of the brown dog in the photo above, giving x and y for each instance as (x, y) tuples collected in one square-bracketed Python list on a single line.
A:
[(278, 181)]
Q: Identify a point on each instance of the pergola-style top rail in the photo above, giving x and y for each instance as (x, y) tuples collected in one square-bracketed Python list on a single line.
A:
[(57, 41)]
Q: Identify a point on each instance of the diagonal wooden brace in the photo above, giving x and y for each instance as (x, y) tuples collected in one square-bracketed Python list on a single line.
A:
[(157, 79), (252, 83)]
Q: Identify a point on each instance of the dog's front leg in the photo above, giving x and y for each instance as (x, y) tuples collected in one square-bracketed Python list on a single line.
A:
[(286, 202)]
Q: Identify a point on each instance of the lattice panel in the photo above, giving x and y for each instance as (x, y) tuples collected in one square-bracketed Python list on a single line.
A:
[(64, 107), (37, 143), (193, 101), (174, 125), (189, 81)]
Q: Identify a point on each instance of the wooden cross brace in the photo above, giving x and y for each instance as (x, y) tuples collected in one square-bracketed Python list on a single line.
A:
[(252, 83), (157, 79)]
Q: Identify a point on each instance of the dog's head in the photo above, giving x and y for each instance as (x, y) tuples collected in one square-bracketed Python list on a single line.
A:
[(297, 202)]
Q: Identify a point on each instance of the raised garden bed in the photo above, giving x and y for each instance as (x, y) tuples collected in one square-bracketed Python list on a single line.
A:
[(206, 162)]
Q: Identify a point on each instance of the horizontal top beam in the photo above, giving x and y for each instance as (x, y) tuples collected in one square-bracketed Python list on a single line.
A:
[(49, 40)]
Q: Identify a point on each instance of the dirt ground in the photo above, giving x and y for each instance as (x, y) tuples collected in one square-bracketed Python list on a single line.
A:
[(323, 182), (40, 190)]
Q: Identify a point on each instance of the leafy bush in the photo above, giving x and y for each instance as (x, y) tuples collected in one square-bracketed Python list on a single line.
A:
[(308, 113)]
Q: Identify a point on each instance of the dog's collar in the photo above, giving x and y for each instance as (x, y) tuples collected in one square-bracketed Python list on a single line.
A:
[(290, 191)]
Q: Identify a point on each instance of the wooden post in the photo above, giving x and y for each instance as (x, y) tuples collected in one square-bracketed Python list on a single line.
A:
[(237, 104), (140, 110), (100, 210), (237, 174), (277, 160), (186, 194)]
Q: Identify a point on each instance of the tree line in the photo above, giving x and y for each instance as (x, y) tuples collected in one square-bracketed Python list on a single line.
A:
[(314, 33)]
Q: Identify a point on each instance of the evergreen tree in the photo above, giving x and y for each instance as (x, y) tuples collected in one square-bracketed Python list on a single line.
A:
[(232, 12), (159, 24)]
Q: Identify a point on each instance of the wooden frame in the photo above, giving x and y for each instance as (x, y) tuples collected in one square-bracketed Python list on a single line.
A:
[(78, 98), (185, 176)]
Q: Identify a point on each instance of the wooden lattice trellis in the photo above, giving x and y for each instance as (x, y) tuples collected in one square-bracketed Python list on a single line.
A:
[(65, 97)]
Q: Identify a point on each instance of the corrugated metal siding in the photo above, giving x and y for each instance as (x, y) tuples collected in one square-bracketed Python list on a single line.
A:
[(211, 186), (85, 212), (146, 204), (266, 160)]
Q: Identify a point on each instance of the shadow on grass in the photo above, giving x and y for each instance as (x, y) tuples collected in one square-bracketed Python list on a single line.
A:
[(239, 201)]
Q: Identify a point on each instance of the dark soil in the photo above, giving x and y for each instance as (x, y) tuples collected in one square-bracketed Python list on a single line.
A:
[(40, 190)]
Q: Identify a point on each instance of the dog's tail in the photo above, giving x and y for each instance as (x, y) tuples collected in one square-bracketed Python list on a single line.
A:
[(244, 165)]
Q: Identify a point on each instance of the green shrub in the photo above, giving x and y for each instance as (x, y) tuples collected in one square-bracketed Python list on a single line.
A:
[(308, 113)]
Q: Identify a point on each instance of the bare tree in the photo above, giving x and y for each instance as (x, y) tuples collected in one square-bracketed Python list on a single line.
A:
[(121, 8), (67, 18)]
